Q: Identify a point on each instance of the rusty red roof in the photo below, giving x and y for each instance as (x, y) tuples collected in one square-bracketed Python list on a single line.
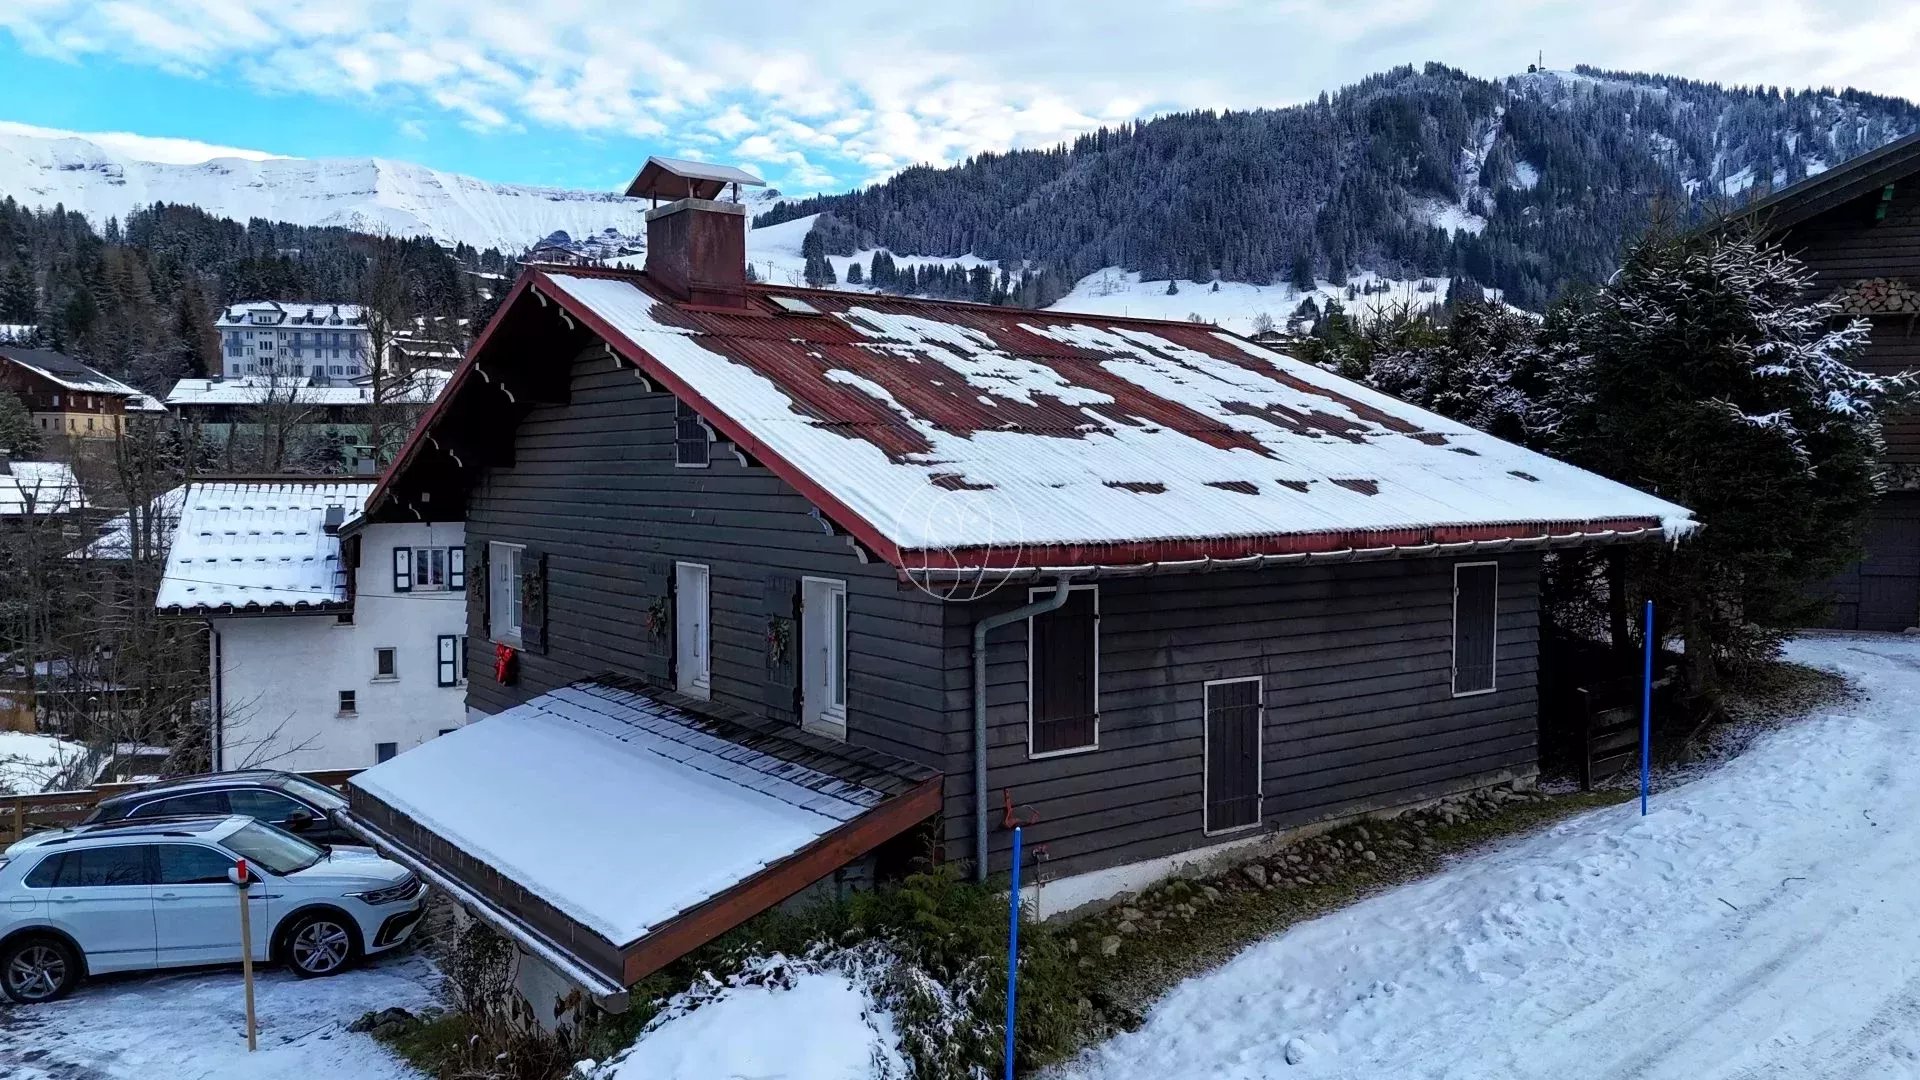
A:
[(942, 433)]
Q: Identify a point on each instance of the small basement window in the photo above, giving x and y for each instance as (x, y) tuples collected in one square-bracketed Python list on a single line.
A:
[(690, 438), (346, 703), (1063, 674), (1476, 588)]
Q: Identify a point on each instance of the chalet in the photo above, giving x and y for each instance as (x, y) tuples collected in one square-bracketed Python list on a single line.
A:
[(767, 577), (325, 651), (66, 397), (1857, 228)]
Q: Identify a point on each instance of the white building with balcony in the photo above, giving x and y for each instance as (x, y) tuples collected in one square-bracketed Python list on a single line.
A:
[(325, 343)]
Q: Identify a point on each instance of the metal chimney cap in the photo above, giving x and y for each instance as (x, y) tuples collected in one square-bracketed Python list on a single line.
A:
[(676, 178)]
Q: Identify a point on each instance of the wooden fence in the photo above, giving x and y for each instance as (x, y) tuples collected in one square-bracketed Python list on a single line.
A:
[(21, 815)]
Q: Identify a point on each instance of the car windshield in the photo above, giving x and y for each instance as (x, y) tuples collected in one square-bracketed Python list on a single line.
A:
[(316, 793), (272, 850)]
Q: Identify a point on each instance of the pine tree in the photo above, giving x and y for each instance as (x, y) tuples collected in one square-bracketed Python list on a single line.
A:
[(855, 275), (18, 436), (1173, 287)]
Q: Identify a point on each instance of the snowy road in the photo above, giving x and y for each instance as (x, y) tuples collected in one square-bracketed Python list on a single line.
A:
[(1762, 924), (191, 1026)]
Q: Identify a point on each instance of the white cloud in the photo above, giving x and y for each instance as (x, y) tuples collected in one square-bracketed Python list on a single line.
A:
[(849, 94), (142, 147)]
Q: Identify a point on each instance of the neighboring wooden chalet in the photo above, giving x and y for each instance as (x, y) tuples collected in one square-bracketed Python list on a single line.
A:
[(1221, 592), (1857, 227), (68, 398)]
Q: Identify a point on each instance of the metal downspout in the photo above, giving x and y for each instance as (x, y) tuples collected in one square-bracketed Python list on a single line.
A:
[(980, 630)]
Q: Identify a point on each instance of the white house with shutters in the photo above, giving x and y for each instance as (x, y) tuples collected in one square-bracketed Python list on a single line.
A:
[(332, 643)]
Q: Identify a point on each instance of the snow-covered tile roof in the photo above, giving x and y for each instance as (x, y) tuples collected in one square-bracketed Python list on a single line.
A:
[(66, 371), (115, 539), (419, 389), (39, 487), (293, 314), (643, 811), (964, 428), (258, 544)]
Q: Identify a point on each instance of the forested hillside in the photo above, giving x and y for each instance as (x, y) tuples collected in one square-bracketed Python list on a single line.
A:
[(137, 298), (1525, 184)]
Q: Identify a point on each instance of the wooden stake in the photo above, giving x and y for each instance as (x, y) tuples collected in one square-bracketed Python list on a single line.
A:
[(246, 958)]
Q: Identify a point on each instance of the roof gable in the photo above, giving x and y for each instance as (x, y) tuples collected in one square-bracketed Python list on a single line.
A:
[(944, 433), (1858, 176), (66, 371), (258, 545)]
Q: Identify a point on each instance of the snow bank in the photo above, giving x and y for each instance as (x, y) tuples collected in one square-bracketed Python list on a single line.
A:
[(32, 763), (776, 1020), (1758, 923)]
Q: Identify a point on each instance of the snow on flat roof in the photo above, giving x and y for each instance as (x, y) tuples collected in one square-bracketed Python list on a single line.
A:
[(258, 544), (642, 814), (419, 389), (951, 426), (39, 487)]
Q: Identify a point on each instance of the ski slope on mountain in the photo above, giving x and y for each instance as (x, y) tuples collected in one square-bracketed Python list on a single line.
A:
[(372, 195)]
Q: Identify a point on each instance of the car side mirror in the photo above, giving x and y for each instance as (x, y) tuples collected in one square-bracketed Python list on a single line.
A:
[(299, 821)]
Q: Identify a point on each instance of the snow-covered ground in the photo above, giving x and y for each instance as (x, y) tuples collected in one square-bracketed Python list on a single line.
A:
[(1237, 305), (192, 1026), (32, 763), (1760, 923)]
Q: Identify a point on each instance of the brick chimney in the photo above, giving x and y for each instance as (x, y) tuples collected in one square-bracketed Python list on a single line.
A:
[(696, 244)]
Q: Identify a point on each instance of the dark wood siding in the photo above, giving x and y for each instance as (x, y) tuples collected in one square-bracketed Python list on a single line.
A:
[(1360, 710), (1882, 591), (594, 491)]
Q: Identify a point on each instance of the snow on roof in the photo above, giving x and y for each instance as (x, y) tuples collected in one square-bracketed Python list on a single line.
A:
[(644, 814), (954, 427), (258, 544), (115, 539), (39, 487), (66, 371), (293, 313), (419, 389)]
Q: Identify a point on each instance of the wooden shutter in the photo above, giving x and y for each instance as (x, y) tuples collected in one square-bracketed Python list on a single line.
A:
[(402, 569), (533, 600), (1233, 754), (456, 568), (1064, 701), (447, 659), (480, 593), (781, 603), (1476, 588)]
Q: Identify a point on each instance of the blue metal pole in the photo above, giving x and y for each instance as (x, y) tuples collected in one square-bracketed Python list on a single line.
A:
[(1646, 717), (1013, 946)]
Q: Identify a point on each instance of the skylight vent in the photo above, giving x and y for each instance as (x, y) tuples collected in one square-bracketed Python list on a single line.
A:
[(793, 305)]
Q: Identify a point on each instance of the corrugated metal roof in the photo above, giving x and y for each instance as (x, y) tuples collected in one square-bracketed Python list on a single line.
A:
[(1012, 435), (258, 545)]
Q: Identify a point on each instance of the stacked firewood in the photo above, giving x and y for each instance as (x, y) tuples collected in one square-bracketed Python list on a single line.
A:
[(1879, 296)]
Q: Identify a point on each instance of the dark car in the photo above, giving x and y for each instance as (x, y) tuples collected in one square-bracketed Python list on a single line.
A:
[(293, 802)]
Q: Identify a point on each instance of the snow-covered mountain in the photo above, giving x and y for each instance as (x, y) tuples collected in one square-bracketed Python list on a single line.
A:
[(372, 195)]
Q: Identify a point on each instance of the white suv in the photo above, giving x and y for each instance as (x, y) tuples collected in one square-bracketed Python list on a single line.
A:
[(155, 893)]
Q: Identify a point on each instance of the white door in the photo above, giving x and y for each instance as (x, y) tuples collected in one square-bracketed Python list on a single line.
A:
[(823, 643), (692, 630), (103, 897), (196, 910)]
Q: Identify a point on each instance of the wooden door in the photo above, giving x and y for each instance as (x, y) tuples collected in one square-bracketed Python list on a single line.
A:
[(1232, 783)]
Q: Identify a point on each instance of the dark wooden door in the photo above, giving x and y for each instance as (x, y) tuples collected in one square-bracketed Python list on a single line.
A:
[(1890, 572), (1233, 755)]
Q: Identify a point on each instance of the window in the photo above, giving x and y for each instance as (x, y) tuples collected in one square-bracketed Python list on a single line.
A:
[(503, 593), (448, 730), (1231, 781), (200, 802), (1476, 588), (346, 703), (823, 639), (692, 634), (191, 864), (265, 805), (429, 569), (93, 868), (1063, 674), (689, 437), (345, 618), (448, 650), (384, 751), (383, 662)]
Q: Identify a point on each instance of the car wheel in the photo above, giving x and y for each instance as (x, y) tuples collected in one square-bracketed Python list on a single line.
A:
[(37, 969), (321, 944)]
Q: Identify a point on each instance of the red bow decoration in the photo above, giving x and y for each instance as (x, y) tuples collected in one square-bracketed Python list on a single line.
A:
[(503, 664)]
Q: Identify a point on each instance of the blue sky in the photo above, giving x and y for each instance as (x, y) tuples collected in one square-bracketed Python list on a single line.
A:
[(821, 95)]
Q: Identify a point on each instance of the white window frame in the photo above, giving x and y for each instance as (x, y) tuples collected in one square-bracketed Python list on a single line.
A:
[(393, 676), (1034, 594), (1453, 643), (1259, 755), (421, 560), (503, 612), (681, 411), (342, 698), (698, 683), (823, 717)]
